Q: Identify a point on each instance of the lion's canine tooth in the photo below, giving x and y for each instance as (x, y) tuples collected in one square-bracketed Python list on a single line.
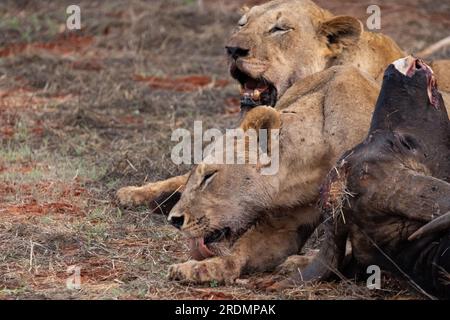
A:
[(256, 94)]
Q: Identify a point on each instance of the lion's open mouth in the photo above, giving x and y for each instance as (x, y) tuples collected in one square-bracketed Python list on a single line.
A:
[(201, 247), (254, 92)]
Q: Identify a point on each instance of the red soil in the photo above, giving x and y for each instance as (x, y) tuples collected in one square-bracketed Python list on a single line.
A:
[(64, 44), (182, 84)]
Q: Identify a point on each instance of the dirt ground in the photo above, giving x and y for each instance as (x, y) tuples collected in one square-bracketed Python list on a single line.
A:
[(83, 113)]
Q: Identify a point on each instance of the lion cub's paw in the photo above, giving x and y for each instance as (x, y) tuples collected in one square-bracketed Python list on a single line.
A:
[(133, 196), (201, 272)]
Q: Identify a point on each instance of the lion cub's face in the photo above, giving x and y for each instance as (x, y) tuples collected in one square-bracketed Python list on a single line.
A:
[(218, 204), (280, 42)]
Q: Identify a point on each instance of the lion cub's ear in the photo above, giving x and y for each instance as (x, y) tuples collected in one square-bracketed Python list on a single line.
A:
[(341, 31), (261, 117)]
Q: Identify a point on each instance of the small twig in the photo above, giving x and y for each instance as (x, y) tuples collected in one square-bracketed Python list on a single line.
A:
[(433, 48), (131, 165), (31, 255), (201, 6), (167, 199), (76, 175)]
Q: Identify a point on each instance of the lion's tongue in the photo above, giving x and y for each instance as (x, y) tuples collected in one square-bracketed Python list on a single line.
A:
[(199, 250)]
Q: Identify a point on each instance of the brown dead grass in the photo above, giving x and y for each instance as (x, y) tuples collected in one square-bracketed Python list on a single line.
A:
[(84, 113)]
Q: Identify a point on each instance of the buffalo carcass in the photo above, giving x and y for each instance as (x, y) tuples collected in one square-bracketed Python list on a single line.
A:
[(390, 195)]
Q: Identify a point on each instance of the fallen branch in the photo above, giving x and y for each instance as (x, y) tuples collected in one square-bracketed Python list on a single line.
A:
[(433, 48)]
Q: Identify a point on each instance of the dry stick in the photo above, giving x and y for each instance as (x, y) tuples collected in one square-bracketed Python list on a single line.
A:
[(31, 255), (200, 5), (160, 204), (165, 200), (433, 48), (131, 165), (415, 285)]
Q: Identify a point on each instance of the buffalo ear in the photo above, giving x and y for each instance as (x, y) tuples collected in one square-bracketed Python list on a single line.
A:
[(261, 117), (341, 31)]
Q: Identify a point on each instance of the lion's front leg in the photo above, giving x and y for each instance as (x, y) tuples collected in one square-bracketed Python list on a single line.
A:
[(219, 269), (161, 191), (262, 248)]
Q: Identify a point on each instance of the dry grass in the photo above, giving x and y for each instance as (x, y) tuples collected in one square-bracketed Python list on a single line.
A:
[(75, 125)]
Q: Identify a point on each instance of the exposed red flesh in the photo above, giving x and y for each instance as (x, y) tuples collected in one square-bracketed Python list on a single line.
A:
[(412, 65)]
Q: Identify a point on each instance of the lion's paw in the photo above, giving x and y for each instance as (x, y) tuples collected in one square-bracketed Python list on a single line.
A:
[(201, 272), (264, 283), (273, 284), (133, 196), (281, 285), (293, 264)]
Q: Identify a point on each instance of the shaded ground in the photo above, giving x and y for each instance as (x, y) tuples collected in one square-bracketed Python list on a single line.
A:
[(84, 113)]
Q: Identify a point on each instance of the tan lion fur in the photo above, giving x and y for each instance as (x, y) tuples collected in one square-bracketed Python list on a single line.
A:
[(323, 109)]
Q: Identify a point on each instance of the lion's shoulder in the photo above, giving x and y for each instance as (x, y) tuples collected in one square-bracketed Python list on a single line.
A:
[(334, 79)]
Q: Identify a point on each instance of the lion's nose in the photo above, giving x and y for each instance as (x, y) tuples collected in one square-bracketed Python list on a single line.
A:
[(237, 52), (177, 220)]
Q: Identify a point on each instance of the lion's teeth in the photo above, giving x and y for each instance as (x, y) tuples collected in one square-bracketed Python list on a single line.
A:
[(256, 94)]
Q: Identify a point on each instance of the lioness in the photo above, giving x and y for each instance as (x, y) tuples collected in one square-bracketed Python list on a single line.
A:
[(383, 191)]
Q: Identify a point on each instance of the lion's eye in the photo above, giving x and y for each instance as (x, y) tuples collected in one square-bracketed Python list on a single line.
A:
[(278, 29), (242, 21), (207, 179)]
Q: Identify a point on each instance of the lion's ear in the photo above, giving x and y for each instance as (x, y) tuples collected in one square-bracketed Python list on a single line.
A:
[(341, 31), (267, 120), (261, 117), (201, 169), (244, 9)]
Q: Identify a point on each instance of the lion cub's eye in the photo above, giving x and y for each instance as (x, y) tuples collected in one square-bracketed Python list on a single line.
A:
[(207, 179)]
